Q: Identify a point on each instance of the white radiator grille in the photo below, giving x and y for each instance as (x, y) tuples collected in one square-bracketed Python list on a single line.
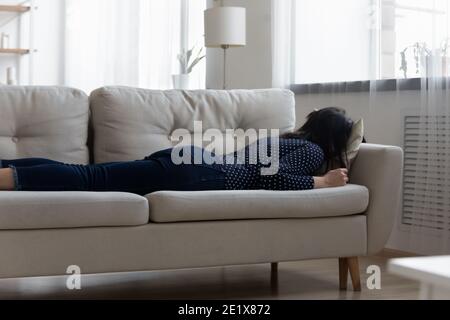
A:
[(426, 181)]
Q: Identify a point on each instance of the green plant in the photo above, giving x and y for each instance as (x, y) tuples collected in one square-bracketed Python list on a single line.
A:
[(188, 60)]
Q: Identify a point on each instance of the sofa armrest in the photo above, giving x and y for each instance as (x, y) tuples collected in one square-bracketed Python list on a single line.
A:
[(380, 169)]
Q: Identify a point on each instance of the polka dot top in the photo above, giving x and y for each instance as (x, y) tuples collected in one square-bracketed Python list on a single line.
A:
[(298, 159)]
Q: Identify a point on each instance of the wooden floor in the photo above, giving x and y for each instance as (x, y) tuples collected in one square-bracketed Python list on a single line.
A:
[(315, 279)]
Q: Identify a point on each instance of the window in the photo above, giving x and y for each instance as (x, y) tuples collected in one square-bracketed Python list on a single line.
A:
[(421, 37), (352, 40)]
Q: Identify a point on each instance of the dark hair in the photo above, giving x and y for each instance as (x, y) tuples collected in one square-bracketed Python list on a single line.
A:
[(330, 129)]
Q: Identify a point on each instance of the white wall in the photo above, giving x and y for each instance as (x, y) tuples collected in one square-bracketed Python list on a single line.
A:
[(381, 111), (248, 67)]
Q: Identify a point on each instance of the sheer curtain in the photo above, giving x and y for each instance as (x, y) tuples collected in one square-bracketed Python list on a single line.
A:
[(130, 42), (282, 43), (427, 145), (387, 61)]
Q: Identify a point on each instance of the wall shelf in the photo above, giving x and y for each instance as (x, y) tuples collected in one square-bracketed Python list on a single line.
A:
[(17, 21), (17, 8), (14, 51)]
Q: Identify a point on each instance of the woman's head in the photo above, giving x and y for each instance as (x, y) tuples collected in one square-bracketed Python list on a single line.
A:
[(330, 129)]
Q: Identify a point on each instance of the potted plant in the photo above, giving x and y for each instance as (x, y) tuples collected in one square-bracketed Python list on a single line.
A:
[(445, 57), (188, 60), (421, 56)]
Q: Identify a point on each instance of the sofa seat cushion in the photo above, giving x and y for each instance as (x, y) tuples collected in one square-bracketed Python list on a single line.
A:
[(177, 206), (53, 210)]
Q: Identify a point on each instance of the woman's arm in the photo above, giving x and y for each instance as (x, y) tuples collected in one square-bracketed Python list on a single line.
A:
[(334, 178), (295, 168), (289, 181)]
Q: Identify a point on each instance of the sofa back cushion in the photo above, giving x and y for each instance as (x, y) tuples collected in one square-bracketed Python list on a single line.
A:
[(132, 123), (48, 122)]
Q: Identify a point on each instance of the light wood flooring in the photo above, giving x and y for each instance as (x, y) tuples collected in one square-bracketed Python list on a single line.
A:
[(314, 279)]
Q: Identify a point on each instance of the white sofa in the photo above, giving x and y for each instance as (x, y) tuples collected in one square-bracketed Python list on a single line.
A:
[(42, 233)]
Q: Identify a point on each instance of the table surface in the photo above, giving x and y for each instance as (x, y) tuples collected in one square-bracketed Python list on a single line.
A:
[(433, 270)]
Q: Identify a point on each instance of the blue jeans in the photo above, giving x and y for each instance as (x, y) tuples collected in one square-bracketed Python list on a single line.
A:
[(154, 173)]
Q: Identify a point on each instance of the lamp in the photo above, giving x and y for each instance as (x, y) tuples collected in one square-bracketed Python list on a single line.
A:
[(225, 27)]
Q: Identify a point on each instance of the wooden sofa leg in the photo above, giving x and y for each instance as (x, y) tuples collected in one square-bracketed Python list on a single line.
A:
[(346, 265), (274, 271), (274, 277), (343, 273), (353, 267)]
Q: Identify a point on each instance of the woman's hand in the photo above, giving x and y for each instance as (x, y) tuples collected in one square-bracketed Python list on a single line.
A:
[(333, 178)]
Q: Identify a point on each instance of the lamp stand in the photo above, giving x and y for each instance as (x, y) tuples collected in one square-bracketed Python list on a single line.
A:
[(225, 48)]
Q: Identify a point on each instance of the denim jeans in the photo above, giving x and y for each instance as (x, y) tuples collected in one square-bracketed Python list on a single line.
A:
[(154, 173)]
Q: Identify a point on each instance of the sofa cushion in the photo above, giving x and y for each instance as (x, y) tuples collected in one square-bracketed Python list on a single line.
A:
[(46, 122), (173, 206), (51, 210), (132, 123)]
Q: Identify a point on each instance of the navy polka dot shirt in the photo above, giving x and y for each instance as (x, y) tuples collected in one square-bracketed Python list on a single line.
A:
[(298, 160)]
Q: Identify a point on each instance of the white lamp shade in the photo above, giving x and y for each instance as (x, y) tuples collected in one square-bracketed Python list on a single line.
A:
[(225, 26)]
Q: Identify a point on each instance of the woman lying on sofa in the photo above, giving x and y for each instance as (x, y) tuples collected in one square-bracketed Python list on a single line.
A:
[(322, 140)]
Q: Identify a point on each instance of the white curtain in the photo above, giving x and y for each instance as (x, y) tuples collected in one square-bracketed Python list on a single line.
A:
[(131, 42), (282, 43), (427, 147), (387, 61)]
